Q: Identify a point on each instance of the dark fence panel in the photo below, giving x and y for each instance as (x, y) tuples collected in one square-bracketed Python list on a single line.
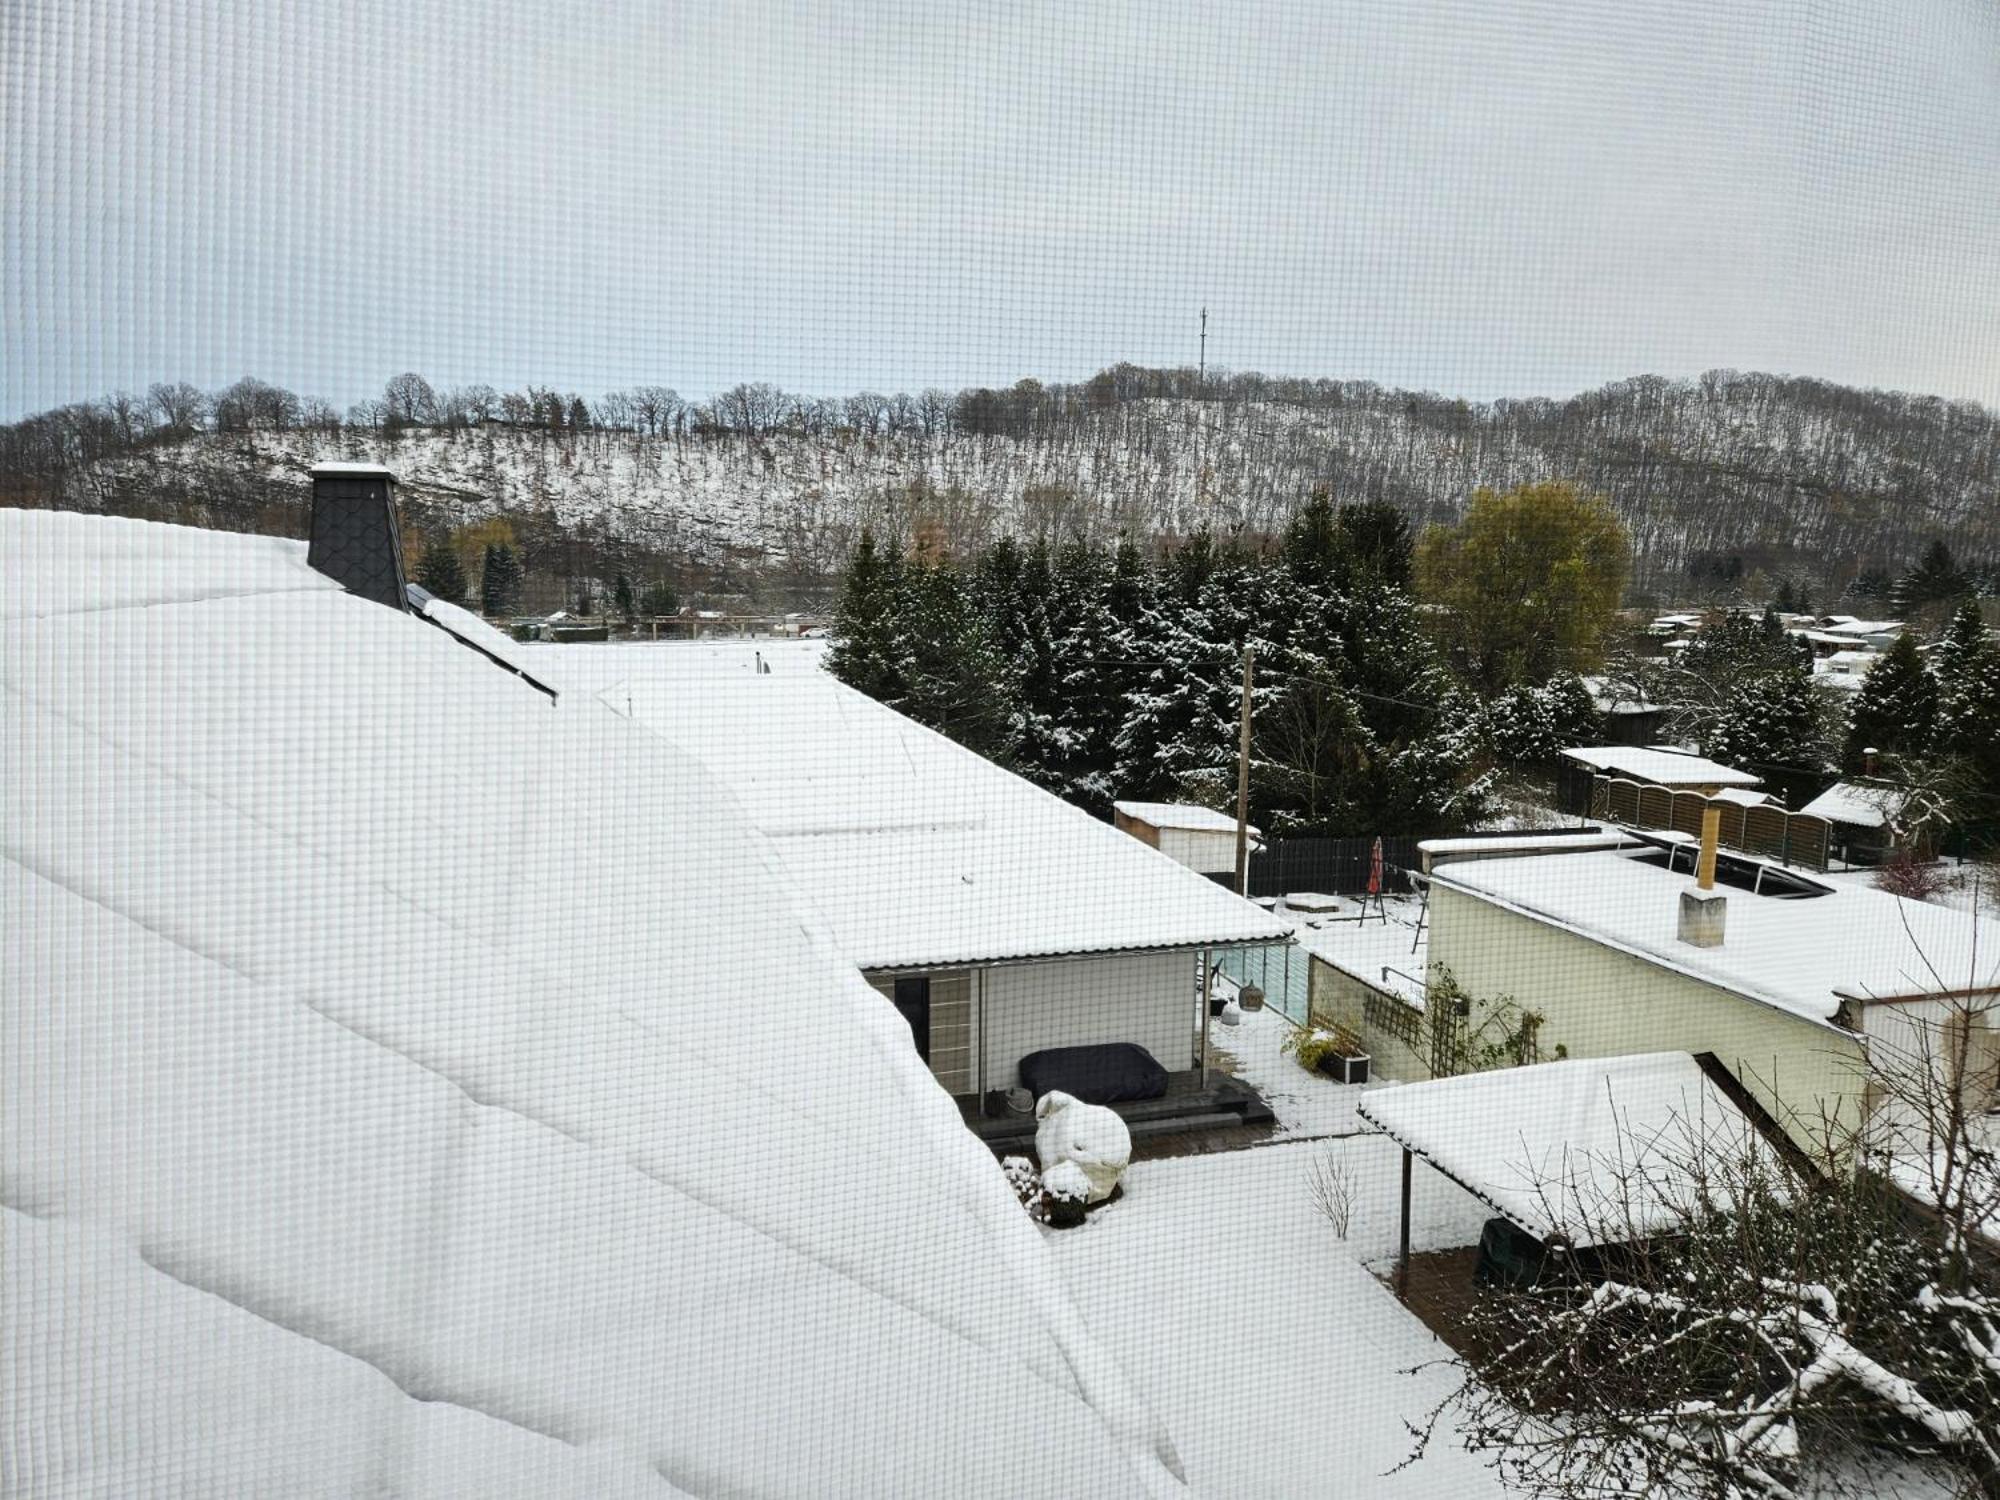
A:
[(1338, 867)]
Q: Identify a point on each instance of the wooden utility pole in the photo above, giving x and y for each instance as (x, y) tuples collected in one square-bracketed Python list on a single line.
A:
[(1243, 787)]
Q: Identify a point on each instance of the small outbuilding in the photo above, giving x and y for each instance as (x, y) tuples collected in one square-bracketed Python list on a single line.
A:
[(1864, 822), (1574, 1154), (1198, 837)]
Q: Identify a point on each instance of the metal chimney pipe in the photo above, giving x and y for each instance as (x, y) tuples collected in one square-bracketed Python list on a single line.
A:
[(1705, 910), (1711, 835), (354, 539)]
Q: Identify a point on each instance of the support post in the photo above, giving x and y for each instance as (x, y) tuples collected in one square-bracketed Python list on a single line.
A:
[(1207, 981), (1243, 786), (1403, 1238)]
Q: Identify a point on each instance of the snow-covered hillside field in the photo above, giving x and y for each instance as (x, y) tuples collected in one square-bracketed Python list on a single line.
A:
[(1792, 474)]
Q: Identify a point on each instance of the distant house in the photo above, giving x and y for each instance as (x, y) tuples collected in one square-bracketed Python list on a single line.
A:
[(1847, 669), (1630, 717), (1824, 643), (999, 919), (1199, 837), (1676, 770), (1876, 635), (1792, 989)]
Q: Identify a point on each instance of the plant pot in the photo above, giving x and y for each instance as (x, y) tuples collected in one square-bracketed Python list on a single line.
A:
[(1215, 1004), (1066, 1213), (1345, 1069)]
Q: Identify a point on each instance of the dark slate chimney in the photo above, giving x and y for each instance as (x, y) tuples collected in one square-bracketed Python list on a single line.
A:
[(354, 538)]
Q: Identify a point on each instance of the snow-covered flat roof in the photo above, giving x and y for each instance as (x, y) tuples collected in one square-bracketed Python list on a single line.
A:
[(1799, 955), (1660, 767), (916, 851), (1587, 1150), (426, 1088), (1183, 815), (1862, 806), (1528, 841)]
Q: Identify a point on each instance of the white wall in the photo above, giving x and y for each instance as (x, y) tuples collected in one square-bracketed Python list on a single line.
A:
[(1146, 998), (1599, 1002), (1209, 853)]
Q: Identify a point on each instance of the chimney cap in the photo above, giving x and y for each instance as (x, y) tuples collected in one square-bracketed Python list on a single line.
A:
[(351, 471)]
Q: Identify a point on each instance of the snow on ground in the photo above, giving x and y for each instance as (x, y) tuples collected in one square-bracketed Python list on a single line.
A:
[(1965, 887), (1390, 955), (1306, 1103), (1271, 1352)]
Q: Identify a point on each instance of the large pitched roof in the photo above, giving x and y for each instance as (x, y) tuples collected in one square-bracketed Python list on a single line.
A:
[(409, 1084), (917, 851)]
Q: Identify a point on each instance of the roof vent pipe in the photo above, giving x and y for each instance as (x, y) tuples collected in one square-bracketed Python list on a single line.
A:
[(1704, 910), (354, 539)]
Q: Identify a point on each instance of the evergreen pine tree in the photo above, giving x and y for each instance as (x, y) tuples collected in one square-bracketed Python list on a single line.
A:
[(1089, 680), (659, 600), (1968, 718), (869, 651), (1959, 645), (1378, 550), (499, 580), (1896, 709), (954, 676), (1936, 579), (1770, 723), (440, 573)]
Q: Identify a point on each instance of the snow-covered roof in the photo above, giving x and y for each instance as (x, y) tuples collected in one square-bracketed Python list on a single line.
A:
[(1587, 1150), (1527, 841), (1742, 796), (1850, 643), (1851, 625), (1659, 767), (1802, 955), (411, 1086), (1182, 815), (917, 851), (1861, 806)]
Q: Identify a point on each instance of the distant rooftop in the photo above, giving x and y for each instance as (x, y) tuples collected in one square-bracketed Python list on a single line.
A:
[(917, 852), (1660, 767), (1183, 815), (1861, 806), (1800, 955)]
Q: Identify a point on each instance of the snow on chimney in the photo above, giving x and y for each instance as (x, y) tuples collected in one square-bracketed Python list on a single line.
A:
[(1704, 910), (354, 538)]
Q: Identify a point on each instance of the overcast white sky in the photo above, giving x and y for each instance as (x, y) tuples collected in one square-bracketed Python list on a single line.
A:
[(1463, 195)]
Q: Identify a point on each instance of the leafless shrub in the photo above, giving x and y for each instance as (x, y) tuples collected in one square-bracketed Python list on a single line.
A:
[(1333, 1190), (1904, 874)]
